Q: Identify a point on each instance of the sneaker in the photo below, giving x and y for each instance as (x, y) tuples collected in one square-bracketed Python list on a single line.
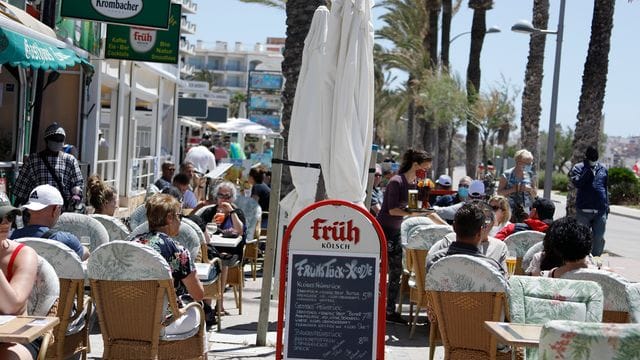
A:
[(396, 318)]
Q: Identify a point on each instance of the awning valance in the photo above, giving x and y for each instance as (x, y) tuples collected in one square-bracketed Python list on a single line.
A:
[(20, 50)]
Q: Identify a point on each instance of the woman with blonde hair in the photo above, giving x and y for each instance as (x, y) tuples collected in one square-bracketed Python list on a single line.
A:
[(102, 196), (518, 183), (502, 212)]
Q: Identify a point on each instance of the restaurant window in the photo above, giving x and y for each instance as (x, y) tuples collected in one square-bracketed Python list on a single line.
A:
[(108, 135), (144, 144)]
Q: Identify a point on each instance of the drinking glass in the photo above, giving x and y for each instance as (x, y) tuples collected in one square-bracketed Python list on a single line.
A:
[(212, 227), (218, 218), (511, 265)]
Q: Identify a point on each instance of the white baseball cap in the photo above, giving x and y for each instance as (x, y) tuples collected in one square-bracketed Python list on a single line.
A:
[(43, 196), (444, 180), (476, 188)]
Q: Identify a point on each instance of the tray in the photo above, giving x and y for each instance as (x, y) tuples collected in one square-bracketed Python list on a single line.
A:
[(408, 209)]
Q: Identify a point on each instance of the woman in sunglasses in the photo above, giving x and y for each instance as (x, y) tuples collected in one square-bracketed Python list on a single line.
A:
[(501, 211), (18, 267)]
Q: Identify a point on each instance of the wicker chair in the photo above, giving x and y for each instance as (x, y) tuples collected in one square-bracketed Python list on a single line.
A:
[(44, 299), (615, 289), (137, 217), (202, 209), (83, 225), (528, 256), (562, 339), (633, 292), (253, 215), (133, 292), (71, 335), (518, 244), (536, 300), (465, 292), (117, 229)]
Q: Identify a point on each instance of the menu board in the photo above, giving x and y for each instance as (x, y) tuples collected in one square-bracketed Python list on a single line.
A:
[(332, 306)]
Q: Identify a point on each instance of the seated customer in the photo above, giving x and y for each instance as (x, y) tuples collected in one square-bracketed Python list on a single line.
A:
[(469, 223), (569, 241), (18, 265), (489, 246), (163, 214), (540, 217), (44, 209), (181, 181), (102, 196), (168, 169)]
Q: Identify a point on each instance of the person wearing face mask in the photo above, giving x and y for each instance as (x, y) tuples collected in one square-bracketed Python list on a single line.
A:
[(591, 180), (518, 183), (461, 196), (54, 167)]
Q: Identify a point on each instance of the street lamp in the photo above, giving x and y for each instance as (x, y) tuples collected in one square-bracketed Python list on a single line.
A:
[(491, 30), (524, 26)]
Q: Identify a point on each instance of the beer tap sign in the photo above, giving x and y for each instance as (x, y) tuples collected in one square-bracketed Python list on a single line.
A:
[(332, 304)]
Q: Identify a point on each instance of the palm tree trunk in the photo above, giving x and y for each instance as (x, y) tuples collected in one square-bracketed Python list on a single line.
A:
[(530, 121), (446, 34), (594, 82), (478, 30), (443, 151), (299, 15)]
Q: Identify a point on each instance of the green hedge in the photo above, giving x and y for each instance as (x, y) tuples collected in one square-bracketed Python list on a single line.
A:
[(624, 187), (559, 181)]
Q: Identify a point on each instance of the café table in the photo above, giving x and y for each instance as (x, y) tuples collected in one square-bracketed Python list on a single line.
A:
[(516, 335), (219, 241), (24, 329)]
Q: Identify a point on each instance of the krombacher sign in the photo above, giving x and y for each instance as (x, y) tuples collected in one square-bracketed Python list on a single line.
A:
[(145, 44), (147, 13)]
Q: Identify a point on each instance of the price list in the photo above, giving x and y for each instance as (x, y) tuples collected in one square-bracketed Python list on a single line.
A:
[(331, 307)]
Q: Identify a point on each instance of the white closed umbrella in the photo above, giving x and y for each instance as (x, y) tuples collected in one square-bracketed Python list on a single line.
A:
[(244, 126), (307, 114), (349, 130)]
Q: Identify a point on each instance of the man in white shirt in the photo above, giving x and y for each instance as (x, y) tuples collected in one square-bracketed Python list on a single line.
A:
[(201, 157)]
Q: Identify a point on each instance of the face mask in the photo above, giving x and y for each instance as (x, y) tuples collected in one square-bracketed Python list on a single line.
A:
[(528, 168), (592, 163), (463, 192), (55, 146)]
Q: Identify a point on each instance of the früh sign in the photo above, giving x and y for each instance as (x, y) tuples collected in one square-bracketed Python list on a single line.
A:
[(333, 300)]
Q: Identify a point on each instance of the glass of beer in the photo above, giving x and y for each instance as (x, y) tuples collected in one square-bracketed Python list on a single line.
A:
[(413, 199), (511, 265)]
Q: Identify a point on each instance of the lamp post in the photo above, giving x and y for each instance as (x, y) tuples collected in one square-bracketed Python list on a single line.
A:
[(524, 26), (492, 30)]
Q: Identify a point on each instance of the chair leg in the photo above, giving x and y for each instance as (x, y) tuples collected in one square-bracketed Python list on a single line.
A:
[(240, 297), (433, 328), (254, 268), (414, 322), (410, 311)]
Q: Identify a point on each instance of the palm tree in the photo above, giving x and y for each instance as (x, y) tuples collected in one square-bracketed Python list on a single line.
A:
[(203, 75), (478, 30), (594, 82), (530, 120), (236, 101)]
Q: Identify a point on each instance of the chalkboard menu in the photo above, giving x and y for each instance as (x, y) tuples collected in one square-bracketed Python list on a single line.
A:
[(332, 306)]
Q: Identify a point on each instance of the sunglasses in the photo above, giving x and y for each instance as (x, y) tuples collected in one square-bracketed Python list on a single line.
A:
[(463, 186), (496, 208), (377, 175), (223, 196)]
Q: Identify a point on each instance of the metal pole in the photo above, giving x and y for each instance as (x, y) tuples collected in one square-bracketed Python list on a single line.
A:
[(548, 169)]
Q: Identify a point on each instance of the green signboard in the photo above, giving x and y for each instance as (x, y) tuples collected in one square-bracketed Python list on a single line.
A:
[(147, 13), (143, 44)]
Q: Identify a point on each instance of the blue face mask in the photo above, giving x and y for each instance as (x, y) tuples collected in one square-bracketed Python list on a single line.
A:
[(463, 192), (528, 168)]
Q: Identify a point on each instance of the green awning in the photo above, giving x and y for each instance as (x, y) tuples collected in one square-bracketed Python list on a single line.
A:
[(23, 51)]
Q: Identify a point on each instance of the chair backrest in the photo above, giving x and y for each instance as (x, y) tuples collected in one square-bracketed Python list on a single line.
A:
[(589, 341), (83, 225), (117, 229), (633, 292), (187, 237), (614, 289), (137, 217), (151, 190), (466, 291), (528, 256), (518, 243), (202, 209), (64, 261), (196, 228), (127, 261), (46, 290), (424, 236), (252, 214), (409, 223)]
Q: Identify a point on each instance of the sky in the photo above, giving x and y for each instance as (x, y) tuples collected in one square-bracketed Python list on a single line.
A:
[(504, 54)]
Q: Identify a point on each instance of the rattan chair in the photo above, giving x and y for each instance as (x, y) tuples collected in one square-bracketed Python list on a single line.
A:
[(116, 229), (137, 217), (133, 293), (83, 225), (71, 335), (44, 299), (465, 292), (235, 279), (528, 256), (518, 244)]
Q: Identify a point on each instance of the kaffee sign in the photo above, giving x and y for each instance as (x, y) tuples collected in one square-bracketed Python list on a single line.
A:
[(147, 13), (333, 300)]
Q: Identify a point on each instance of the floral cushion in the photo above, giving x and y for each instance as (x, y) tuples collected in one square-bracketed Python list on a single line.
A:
[(518, 243), (137, 217), (614, 287), (196, 228), (46, 289), (562, 339), (464, 273), (117, 229), (252, 213), (528, 256), (408, 223), (128, 261), (187, 237), (424, 236), (633, 294), (64, 261), (83, 225)]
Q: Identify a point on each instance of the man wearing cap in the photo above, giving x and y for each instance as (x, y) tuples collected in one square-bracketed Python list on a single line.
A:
[(591, 179), (44, 208), (475, 192), (461, 196), (51, 166)]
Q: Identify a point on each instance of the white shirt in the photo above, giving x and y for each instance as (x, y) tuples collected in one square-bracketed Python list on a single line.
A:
[(203, 160)]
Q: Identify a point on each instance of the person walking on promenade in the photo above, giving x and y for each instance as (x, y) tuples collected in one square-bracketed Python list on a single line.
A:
[(592, 200), (390, 218)]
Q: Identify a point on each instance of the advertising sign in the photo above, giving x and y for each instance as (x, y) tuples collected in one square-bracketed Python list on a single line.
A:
[(147, 13), (265, 101), (270, 121), (334, 260), (145, 44), (192, 107), (265, 81)]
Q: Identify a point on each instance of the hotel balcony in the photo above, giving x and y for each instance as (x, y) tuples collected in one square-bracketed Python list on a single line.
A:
[(187, 27), (188, 6), (187, 48)]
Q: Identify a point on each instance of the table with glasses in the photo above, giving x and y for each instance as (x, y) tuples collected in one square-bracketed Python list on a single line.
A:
[(220, 241), (24, 329), (516, 335)]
